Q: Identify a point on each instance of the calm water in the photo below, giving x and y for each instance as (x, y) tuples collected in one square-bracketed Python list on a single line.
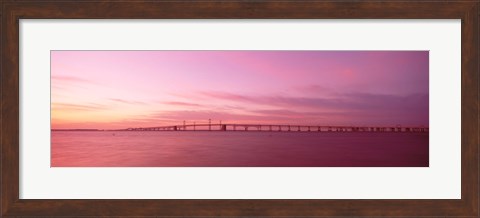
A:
[(237, 149)]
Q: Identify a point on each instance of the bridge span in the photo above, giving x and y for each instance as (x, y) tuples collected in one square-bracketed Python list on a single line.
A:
[(279, 128)]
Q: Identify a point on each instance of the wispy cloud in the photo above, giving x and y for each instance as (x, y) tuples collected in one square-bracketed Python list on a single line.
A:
[(179, 103), (350, 101), (315, 89), (82, 107), (296, 114), (126, 101), (228, 96), (70, 79)]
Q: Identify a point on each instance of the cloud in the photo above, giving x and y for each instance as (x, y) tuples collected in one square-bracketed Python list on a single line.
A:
[(289, 102), (203, 115), (350, 101), (179, 103), (70, 79), (82, 107), (228, 96), (315, 89), (365, 101), (126, 101), (296, 114)]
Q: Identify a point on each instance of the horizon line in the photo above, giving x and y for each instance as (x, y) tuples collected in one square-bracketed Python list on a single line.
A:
[(245, 124)]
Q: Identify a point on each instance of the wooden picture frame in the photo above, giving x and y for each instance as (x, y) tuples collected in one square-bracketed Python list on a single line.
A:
[(12, 11)]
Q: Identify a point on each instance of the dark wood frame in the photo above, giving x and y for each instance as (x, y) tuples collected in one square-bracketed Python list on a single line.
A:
[(12, 11)]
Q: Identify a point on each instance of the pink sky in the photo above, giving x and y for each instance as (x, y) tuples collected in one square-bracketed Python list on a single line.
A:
[(121, 89)]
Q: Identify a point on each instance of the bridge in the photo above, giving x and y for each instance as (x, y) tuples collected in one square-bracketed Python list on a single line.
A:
[(278, 128)]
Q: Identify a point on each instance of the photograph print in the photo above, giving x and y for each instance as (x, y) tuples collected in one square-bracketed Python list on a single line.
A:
[(239, 108)]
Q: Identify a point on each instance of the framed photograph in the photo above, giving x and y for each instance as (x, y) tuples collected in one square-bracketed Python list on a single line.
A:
[(267, 108)]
